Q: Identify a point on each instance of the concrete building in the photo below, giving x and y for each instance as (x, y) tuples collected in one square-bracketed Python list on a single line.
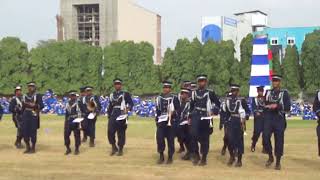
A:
[(101, 22), (234, 28)]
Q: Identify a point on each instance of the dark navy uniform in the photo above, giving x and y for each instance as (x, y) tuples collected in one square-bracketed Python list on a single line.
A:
[(201, 122), (72, 112), (316, 109), (235, 128), (15, 108), (224, 117), (275, 121), (93, 101), (31, 106), (258, 108), (83, 108), (1, 112), (167, 109), (120, 103), (184, 125)]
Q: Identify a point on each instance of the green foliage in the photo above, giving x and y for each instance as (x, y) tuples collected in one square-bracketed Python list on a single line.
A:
[(13, 64), (245, 64), (277, 69), (291, 71), (133, 63), (310, 59)]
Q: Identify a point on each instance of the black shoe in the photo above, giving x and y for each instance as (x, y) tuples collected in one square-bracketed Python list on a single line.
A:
[(68, 151), (76, 152), (27, 151), (270, 161), (231, 161), (186, 157), (91, 144), (239, 164), (264, 151), (170, 160), (181, 150), (114, 150), (223, 151), (19, 145), (253, 148), (120, 152), (84, 139), (161, 159), (278, 167), (33, 150), (203, 162), (196, 159)]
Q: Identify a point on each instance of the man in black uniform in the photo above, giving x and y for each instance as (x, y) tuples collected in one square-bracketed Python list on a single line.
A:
[(277, 104), (120, 103), (185, 85), (83, 108), (167, 109), (258, 107), (92, 112), (235, 124), (201, 105), (184, 124), (316, 109), (72, 113), (31, 106), (223, 119), (15, 108)]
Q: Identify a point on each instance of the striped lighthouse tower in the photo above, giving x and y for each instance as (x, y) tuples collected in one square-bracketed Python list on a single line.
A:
[(260, 66)]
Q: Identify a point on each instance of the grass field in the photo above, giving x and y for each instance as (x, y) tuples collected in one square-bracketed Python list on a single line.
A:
[(139, 161)]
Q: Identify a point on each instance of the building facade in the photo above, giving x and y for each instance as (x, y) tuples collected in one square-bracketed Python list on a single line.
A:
[(234, 28), (101, 22)]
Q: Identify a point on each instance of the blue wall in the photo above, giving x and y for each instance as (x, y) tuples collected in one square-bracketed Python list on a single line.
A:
[(298, 33)]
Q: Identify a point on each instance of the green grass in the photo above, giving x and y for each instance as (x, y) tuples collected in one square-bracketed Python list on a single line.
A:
[(139, 161)]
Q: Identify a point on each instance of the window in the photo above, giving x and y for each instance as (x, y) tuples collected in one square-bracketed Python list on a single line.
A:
[(274, 41), (291, 41)]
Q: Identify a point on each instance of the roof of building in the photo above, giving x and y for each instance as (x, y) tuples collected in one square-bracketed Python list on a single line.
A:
[(248, 12)]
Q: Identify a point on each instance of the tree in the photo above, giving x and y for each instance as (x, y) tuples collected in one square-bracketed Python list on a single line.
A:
[(62, 66), (277, 69), (310, 59), (291, 71), (13, 64), (245, 63)]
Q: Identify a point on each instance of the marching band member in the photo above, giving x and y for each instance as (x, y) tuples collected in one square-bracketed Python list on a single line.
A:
[(15, 108), (72, 113), (201, 119), (120, 103), (167, 109), (31, 106)]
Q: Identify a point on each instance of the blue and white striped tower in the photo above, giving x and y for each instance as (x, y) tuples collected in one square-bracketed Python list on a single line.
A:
[(260, 68)]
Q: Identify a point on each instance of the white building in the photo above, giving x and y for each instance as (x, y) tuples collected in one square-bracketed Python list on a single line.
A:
[(236, 28)]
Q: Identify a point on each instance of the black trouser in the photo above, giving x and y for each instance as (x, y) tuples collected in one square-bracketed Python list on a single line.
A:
[(119, 128), (318, 133), (91, 128), (70, 127), (165, 132), (29, 127), (235, 136), (184, 135), (84, 125), (200, 133), (225, 137), (258, 128), (274, 123), (17, 119)]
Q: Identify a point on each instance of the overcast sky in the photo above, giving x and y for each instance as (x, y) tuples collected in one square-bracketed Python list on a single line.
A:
[(34, 20)]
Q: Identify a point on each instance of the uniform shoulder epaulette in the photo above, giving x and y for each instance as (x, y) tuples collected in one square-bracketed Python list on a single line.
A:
[(210, 90), (284, 90)]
